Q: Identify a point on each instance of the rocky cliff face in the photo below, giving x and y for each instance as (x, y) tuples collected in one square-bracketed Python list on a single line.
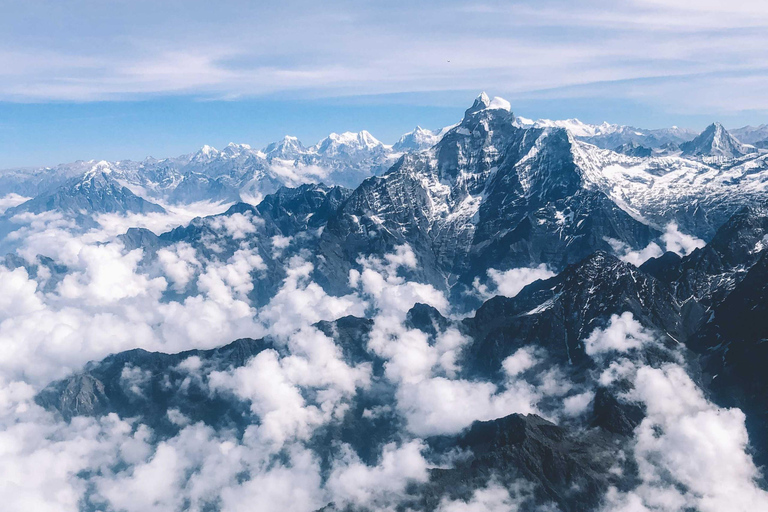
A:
[(488, 195)]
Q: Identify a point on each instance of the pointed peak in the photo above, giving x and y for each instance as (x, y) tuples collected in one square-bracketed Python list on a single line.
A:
[(715, 141), (481, 103), (208, 150)]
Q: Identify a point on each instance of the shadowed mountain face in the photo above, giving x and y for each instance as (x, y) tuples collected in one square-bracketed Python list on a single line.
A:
[(570, 470), (561, 312)]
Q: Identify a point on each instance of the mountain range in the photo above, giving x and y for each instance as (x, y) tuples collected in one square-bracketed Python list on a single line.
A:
[(623, 372)]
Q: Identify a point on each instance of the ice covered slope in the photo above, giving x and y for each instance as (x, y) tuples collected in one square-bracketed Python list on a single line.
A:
[(699, 194)]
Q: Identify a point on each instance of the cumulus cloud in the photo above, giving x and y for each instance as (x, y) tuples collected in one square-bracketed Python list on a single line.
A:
[(510, 282), (107, 301), (237, 225), (376, 487), (623, 334), (294, 173), (438, 405), (96, 298), (674, 241), (578, 404), (49, 465), (637, 258), (523, 359), (678, 242), (690, 453), (274, 387), (179, 264), (113, 224), (390, 293), (300, 301)]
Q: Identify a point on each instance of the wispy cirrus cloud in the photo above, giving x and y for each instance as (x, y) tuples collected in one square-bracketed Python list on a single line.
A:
[(239, 49)]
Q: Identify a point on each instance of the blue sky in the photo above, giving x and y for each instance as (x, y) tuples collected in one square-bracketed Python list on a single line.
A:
[(129, 78)]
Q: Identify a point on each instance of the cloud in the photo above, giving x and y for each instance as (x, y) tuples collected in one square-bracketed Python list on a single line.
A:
[(576, 405), (300, 301), (437, 405), (623, 334), (537, 48), (674, 241), (179, 263), (275, 387), (237, 225), (390, 293), (678, 242), (497, 498), (523, 359), (637, 258), (113, 224), (375, 487), (690, 453), (510, 282), (11, 200), (98, 299)]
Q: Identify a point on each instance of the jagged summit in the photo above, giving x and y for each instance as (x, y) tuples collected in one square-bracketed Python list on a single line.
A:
[(716, 141), (205, 154), (483, 102), (634, 149)]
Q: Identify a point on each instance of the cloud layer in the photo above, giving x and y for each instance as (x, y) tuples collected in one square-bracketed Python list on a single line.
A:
[(643, 50)]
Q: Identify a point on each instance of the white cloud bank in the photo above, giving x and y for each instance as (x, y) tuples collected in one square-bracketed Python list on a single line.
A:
[(509, 282), (690, 453)]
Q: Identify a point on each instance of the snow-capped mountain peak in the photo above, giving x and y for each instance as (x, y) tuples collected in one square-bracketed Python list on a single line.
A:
[(483, 102), (417, 140), (288, 147), (347, 142), (205, 154), (102, 166), (233, 150), (574, 126), (751, 134), (715, 141)]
